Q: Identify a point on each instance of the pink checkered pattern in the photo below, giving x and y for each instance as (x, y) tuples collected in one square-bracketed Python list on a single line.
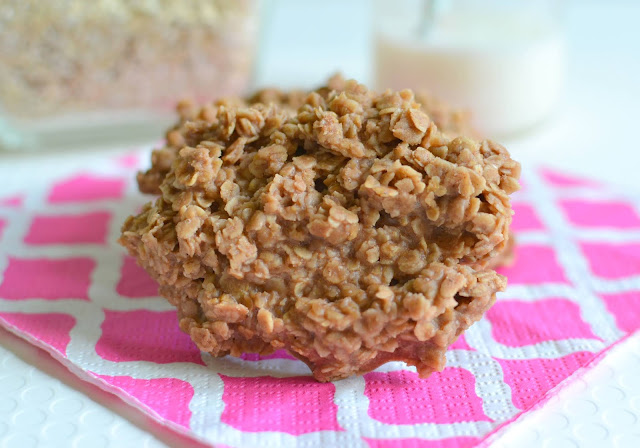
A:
[(66, 286)]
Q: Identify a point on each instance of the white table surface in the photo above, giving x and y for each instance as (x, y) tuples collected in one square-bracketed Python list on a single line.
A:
[(593, 133)]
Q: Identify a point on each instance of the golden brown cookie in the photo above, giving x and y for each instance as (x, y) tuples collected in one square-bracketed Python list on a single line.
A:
[(350, 233), (449, 120)]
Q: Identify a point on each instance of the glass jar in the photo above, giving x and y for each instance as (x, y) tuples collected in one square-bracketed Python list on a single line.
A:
[(78, 72), (502, 59)]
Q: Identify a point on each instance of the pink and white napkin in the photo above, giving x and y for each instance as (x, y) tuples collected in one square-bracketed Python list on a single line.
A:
[(68, 287)]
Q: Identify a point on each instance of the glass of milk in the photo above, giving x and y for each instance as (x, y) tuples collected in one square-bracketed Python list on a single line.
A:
[(502, 59)]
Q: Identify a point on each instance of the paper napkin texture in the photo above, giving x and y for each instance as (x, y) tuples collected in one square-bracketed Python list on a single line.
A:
[(66, 286)]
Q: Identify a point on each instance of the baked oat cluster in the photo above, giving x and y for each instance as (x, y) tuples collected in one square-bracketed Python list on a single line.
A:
[(350, 231), (448, 120)]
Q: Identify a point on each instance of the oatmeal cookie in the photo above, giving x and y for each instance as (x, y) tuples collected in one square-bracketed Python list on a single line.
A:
[(451, 121), (351, 233)]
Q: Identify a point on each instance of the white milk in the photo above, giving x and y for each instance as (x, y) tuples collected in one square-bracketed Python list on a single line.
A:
[(507, 68)]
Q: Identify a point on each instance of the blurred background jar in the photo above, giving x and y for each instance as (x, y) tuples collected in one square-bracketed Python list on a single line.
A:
[(75, 72), (504, 60)]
